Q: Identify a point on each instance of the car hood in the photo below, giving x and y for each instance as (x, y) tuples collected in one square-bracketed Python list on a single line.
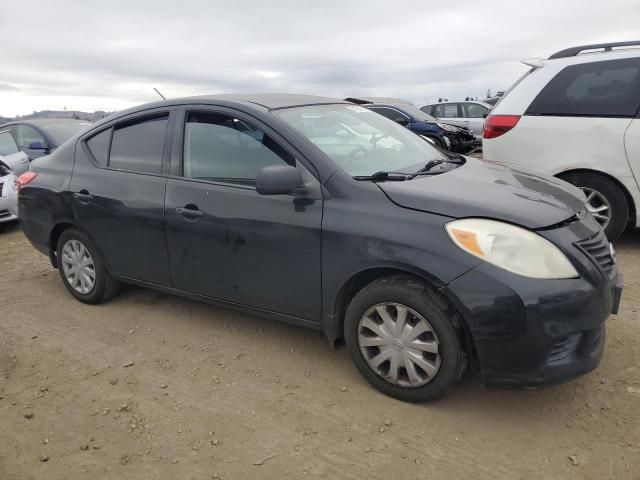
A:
[(481, 188)]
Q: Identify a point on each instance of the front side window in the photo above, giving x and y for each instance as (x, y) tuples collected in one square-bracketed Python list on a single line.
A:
[(223, 148), (358, 140), (139, 146), (7, 143), (474, 110), (27, 136), (609, 88)]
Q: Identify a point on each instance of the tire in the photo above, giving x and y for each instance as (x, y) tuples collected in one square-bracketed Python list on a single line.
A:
[(104, 285), (407, 292), (612, 193)]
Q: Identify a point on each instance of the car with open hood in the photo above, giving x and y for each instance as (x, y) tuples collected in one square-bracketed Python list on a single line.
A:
[(324, 214)]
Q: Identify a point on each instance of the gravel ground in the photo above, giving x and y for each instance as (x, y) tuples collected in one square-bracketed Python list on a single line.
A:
[(154, 386)]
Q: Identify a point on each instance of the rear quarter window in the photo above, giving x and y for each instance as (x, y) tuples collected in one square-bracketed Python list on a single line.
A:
[(608, 88), (99, 147)]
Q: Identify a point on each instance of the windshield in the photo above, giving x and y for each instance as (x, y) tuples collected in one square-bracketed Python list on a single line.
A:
[(62, 131), (416, 113), (360, 141)]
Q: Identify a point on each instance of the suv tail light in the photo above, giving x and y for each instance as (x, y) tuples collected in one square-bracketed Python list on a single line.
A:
[(496, 125), (25, 179)]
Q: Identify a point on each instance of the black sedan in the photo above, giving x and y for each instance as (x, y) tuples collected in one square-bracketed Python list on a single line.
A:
[(324, 214)]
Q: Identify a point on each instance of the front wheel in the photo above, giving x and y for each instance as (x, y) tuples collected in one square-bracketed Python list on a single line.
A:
[(401, 337), (605, 201)]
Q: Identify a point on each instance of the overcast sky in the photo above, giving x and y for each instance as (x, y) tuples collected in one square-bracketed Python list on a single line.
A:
[(86, 55)]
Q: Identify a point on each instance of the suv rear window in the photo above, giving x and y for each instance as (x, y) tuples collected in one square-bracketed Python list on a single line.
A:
[(609, 88)]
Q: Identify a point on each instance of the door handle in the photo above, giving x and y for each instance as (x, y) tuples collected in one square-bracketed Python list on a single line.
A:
[(189, 212), (83, 196)]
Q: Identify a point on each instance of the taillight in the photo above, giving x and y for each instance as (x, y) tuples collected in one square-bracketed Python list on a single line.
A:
[(496, 125), (25, 179)]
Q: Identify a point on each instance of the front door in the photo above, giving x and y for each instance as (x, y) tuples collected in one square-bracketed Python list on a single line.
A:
[(225, 240)]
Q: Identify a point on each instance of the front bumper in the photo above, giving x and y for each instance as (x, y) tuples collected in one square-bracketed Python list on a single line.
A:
[(530, 333), (461, 143), (8, 200)]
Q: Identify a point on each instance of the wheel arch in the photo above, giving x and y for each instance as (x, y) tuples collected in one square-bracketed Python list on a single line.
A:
[(623, 188), (334, 323), (55, 234)]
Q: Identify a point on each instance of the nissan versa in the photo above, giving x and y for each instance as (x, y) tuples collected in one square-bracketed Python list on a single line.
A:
[(324, 214)]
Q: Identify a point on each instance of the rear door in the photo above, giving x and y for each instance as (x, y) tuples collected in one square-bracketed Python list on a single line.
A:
[(473, 115), (225, 240), (118, 188)]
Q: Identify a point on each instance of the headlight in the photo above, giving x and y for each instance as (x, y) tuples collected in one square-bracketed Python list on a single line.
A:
[(446, 127), (512, 248)]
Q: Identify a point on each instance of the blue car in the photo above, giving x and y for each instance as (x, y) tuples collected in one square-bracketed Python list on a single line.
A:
[(40, 137), (449, 137)]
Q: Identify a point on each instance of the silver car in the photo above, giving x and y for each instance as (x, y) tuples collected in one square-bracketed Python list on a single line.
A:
[(8, 195), (11, 155), (469, 114)]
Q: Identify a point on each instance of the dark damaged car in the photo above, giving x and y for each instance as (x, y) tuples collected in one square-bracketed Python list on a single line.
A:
[(324, 214)]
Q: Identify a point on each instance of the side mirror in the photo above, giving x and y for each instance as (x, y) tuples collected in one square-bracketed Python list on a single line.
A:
[(278, 180), (485, 114), (402, 121), (36, 146)]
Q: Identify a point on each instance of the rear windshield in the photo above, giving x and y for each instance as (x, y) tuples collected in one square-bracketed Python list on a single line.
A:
[(608, 88)]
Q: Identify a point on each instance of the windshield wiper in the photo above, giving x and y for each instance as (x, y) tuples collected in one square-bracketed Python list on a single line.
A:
[(385, 176), (401, 176)]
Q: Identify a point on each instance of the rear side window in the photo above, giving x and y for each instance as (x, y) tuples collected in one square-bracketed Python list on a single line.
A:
[(219, 147), (473, 110), (99, 146), (600, 89), (139, 146)]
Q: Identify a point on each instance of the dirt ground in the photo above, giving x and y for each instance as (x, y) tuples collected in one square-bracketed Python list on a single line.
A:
[(154, 386)]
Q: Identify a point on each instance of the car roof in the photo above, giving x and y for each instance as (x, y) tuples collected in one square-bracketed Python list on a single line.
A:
[(269, 101), (481, 102)]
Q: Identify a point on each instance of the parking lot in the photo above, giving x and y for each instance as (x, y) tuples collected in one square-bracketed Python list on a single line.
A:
[(154, 386)]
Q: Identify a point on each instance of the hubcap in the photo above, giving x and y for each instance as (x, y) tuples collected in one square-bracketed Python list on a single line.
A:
[(399, 344), (598, 206), (78, 267)]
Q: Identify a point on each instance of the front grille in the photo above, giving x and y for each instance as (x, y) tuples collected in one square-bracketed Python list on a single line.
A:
[(597, 247)]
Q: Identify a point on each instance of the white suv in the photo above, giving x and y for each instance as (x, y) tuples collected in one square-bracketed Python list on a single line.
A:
[(575, 116)]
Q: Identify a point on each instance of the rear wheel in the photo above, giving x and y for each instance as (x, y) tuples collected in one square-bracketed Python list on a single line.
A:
[(605, 200), (401, 337), (81, 269)]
